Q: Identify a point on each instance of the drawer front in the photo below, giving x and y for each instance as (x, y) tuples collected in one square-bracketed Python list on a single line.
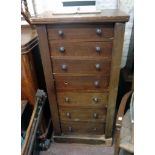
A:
[(80, 32), (82, 99), (81, 83), (81, 114), (90, 49), (82, 128), (61, 65)]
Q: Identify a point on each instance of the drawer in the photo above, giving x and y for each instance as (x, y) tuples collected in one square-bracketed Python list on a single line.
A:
[(81, 114), (80, 32), (81, 83), (91, 49), (81, 66), (69, 99), (82, 128)]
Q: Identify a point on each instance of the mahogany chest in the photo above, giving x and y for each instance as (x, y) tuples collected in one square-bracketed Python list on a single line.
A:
[(81, 56)]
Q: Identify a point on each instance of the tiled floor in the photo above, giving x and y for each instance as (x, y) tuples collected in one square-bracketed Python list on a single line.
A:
[(78, 149)]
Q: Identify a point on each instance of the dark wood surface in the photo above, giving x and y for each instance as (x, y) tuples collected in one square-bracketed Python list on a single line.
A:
[(91, 100), (81, 32), (119, 120), (80, 48), (29, 85), (114, 77), (80, 114), (73, 127), (81, 66), (81, 83), (109, 15), (45, 56), (74, 71), (28, 78), (85, 139)]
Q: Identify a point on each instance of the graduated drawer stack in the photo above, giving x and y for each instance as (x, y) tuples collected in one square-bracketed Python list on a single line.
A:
[(81, 63)]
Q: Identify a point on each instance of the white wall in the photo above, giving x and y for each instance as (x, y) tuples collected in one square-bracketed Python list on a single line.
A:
[(106, 4), (128, 7)]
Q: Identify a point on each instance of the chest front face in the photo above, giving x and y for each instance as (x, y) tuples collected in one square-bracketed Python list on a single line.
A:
[(81, 63)]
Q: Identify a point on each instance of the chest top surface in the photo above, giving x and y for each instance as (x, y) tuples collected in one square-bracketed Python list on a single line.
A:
[(109, 15)]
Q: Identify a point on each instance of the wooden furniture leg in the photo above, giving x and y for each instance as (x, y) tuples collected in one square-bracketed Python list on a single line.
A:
[(119, 118)]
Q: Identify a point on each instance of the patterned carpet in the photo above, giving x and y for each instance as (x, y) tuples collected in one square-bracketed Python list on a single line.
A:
[(78, 149)]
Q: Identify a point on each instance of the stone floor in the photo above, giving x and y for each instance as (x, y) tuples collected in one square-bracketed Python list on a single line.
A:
[(78, 149)]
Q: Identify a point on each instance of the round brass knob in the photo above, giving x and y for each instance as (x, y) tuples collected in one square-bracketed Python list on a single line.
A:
[(60, 32), (70, 129), (64, 67), (62, 49), (95, 99), (96, 83), (98, 31), (95, 129), (98, 49), (66, 83), (98, 66), (95, 115), (66, 99), (68, 115)]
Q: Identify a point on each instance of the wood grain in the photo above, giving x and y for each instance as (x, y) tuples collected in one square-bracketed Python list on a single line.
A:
[(85, 66), (114, 77), (79, 78), (85, 139), (29, 83), (81, 114), (80, 48), (81, 83), (45, 56), (82, 128), (107, 15), (82, 99), (80, 32), (29, 40)]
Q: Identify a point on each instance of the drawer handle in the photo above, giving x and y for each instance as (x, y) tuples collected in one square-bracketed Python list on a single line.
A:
[(98, 49), (62, 49), (66, 83), (66, 99), (95, 129), (60, 32), (98, 31), (68, 115), (70, 129), (95, 115), (98, 67), (64, 67), (96, 83), (95, 99)]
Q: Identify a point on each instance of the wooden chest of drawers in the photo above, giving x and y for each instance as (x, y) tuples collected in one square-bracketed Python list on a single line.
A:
[(81, 57)]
